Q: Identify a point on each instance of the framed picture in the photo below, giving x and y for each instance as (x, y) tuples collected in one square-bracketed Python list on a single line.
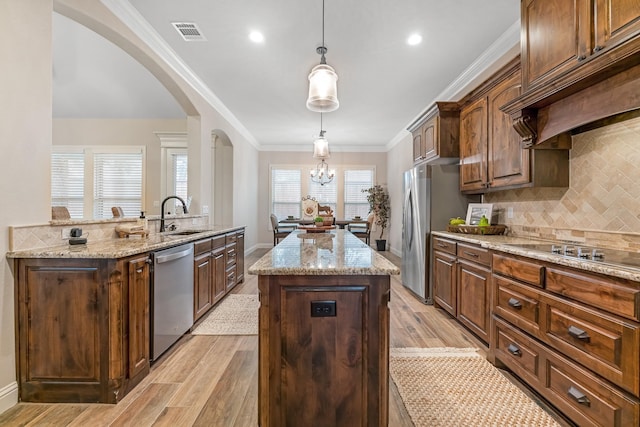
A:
[(476, 210)]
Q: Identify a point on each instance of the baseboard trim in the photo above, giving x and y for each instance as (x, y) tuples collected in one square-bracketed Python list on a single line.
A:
[(8, 396)]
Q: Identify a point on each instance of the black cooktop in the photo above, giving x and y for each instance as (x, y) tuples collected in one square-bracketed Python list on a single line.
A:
[(587, 253)]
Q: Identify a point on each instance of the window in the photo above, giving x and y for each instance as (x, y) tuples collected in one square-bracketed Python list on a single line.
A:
[(94, 179), (117, 181), (326, 195), (67, 182), (355, 201), (177, 172), (285, 192), (344, 194)]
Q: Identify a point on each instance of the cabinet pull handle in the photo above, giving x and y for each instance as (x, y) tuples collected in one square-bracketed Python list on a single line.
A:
[(442, 245), (578, 333), (139, 271), (582, 57), (515, 303), (471, 254), (598, 48), (578, 396), (513, 349)]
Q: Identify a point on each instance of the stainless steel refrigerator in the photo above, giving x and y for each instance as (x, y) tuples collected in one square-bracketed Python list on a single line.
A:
[(431, 196)]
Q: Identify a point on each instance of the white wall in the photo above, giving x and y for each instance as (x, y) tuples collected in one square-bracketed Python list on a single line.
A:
[(25, 142)]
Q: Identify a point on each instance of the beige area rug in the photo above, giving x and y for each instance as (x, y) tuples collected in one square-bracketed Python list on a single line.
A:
[(458, 387), (237, 314)]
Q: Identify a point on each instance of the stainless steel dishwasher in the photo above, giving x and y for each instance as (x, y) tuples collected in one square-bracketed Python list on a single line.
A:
[(172, 290)]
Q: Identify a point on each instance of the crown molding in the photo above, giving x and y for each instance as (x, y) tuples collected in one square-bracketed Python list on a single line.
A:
[(130, 16), (333, 148)]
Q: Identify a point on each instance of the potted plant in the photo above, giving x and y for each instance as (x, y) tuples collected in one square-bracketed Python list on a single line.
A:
[(380, 205), (318, 221)]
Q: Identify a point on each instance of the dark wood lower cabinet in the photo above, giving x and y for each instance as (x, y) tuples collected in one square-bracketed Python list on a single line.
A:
[(82, 328), (324, 351)]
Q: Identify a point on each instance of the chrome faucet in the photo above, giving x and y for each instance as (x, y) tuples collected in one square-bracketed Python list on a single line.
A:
[(184, 207)]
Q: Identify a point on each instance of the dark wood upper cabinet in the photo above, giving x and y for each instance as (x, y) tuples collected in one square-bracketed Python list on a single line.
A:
[(569, 47), (435, 134), (491, 153)]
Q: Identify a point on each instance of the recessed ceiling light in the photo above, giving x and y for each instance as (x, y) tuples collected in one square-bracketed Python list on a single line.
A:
[(414, 39), (256, 37)]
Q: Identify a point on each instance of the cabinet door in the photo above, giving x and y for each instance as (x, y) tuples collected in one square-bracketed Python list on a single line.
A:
[(508, 164), (556, 36), (616, 22), (430, 138), (139, 300), (474, 298), (473, 146), (444, 281), (219, 275), (202, 286), (418, 146)]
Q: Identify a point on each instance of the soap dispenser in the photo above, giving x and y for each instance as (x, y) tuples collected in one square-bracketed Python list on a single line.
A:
[(142, 221)]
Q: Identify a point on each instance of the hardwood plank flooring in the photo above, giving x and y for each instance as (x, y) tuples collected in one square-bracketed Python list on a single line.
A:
[(213, 380)]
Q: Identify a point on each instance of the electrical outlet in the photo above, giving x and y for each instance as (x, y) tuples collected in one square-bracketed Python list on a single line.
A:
[(509, 212), (66, 233), (205, 209), (194, 221)]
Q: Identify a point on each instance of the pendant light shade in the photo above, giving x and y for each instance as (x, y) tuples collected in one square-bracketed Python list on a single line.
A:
[(321, 147), (323, 88), (322, 175)]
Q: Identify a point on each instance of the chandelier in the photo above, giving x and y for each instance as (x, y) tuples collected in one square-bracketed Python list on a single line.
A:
[(323, 91), (322, 175)]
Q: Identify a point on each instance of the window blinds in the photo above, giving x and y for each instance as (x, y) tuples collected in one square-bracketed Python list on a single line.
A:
[(117, 181), (67, 182), (285, 192)]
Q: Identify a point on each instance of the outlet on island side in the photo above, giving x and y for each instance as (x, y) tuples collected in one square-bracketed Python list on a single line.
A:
[(65, 233), (509, 212)]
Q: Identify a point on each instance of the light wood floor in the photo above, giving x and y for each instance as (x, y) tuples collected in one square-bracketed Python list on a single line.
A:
[(213, 380)]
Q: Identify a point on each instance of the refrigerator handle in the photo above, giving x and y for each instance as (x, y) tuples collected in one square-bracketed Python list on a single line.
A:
[(408, 219)]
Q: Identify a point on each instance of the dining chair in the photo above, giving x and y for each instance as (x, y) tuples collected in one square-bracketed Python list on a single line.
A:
[(60, 212), (362, 230), (280, 231)]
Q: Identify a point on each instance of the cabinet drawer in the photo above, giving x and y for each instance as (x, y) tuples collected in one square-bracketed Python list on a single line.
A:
[(230, 238), (614, 295), (231, 278), (474, 253), (231, 255), (586, 399), (444, 245), (517, 303), (519, 352), (202, 246), (218, 242), (608, 345), (518, 269)]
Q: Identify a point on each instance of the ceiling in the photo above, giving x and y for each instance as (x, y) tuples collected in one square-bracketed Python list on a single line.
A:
[(384, 83)]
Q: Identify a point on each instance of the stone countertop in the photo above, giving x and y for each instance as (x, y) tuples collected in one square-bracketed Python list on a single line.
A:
[(510, 245), (336, 252), (119, 248)]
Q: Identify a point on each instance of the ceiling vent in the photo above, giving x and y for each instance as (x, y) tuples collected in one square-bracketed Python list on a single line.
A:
[(189, 31)]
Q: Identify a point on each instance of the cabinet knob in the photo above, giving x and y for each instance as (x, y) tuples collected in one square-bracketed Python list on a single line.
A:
[(578, 333), (578, 396), (598, 48), (582, 57), (513, 349), (515, 303)]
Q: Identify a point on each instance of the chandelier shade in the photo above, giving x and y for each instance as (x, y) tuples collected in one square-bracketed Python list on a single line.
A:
[(321, 147)]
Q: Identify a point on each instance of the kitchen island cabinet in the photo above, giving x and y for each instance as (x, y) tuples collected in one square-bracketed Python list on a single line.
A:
[(324, 332)]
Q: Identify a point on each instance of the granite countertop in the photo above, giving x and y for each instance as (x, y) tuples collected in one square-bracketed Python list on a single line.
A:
[(510, 245), (336, 252), (119, 248)]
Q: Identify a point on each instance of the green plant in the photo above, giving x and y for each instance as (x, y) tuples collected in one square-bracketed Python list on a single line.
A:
[(380, 205), (318, 219)]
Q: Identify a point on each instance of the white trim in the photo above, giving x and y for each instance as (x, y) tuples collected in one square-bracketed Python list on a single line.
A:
[(172, 139), (130, 16), (503, 50), (334, 148), (8, 396)]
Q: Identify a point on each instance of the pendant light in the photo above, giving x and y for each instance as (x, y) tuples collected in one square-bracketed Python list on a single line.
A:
[(323, 91), (322, 175)]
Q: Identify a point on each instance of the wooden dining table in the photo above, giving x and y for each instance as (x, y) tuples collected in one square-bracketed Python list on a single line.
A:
[(341, 223)]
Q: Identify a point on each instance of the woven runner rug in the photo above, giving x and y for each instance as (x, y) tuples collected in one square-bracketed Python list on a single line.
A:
[(236, 314), (458, 387)]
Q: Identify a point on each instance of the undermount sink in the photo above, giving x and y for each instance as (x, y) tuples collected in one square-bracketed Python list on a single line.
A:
[(182, 233)]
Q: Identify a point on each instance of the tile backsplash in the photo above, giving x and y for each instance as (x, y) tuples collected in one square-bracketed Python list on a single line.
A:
[(602, 203)]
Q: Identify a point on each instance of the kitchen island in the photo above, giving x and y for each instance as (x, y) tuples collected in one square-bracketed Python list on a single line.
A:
[(324, 332)]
